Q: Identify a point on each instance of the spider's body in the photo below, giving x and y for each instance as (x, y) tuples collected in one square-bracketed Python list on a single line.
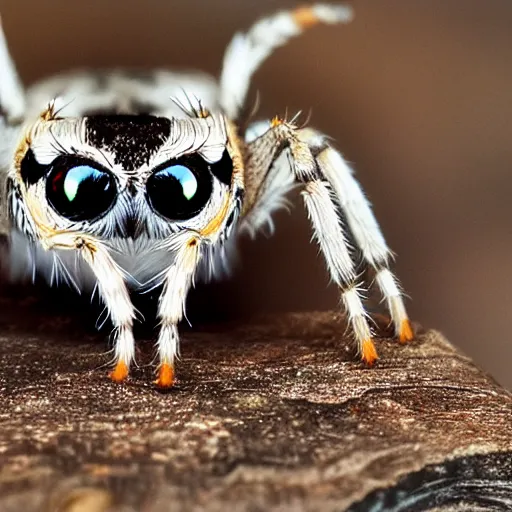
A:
[(107, 182)]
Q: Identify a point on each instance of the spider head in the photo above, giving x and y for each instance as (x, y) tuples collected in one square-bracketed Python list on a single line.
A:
[(126, 176)]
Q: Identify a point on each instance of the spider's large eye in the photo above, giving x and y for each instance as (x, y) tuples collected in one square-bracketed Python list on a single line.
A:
[(180, 189), (81, 191)]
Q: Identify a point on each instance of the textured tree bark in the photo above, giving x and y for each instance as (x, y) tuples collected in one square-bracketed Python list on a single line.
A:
[(275, 414)]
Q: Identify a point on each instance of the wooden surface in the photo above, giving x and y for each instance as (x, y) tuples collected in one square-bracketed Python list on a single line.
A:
[(274, 414)]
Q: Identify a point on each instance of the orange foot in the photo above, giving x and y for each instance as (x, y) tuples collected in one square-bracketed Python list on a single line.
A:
[(406, 332), (369, 352), (165, 376), (120, 372)]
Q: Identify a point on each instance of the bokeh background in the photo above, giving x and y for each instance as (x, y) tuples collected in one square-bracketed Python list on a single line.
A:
[(417, 94)]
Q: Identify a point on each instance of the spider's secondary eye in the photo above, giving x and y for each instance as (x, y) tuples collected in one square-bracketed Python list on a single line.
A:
[(180, 190), (80, 192)]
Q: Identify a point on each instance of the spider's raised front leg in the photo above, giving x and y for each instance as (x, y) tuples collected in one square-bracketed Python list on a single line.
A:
[(331, 195)]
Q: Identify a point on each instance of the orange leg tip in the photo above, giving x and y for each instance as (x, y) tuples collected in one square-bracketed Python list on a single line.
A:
[(406, 332), (369, 352), (165, 376), (120, 372), (305, 17)]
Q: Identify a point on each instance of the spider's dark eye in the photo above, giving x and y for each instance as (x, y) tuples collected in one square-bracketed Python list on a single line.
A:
[(80, 192), (181, 189)]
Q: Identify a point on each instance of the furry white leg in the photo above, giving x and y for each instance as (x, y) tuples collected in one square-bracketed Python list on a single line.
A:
[(391, 291), (366, 232), (246, 52), (112, 289), (177, 281), (313, 161), (334, 247)]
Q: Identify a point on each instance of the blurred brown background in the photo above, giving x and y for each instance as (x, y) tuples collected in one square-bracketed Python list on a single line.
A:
[(417, 94)]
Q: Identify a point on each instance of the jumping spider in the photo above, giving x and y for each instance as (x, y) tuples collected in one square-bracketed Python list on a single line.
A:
[(107, 181)]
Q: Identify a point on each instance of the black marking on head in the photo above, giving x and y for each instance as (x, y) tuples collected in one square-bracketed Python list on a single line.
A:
[(30, 169), (132, 139), (223, 169)]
